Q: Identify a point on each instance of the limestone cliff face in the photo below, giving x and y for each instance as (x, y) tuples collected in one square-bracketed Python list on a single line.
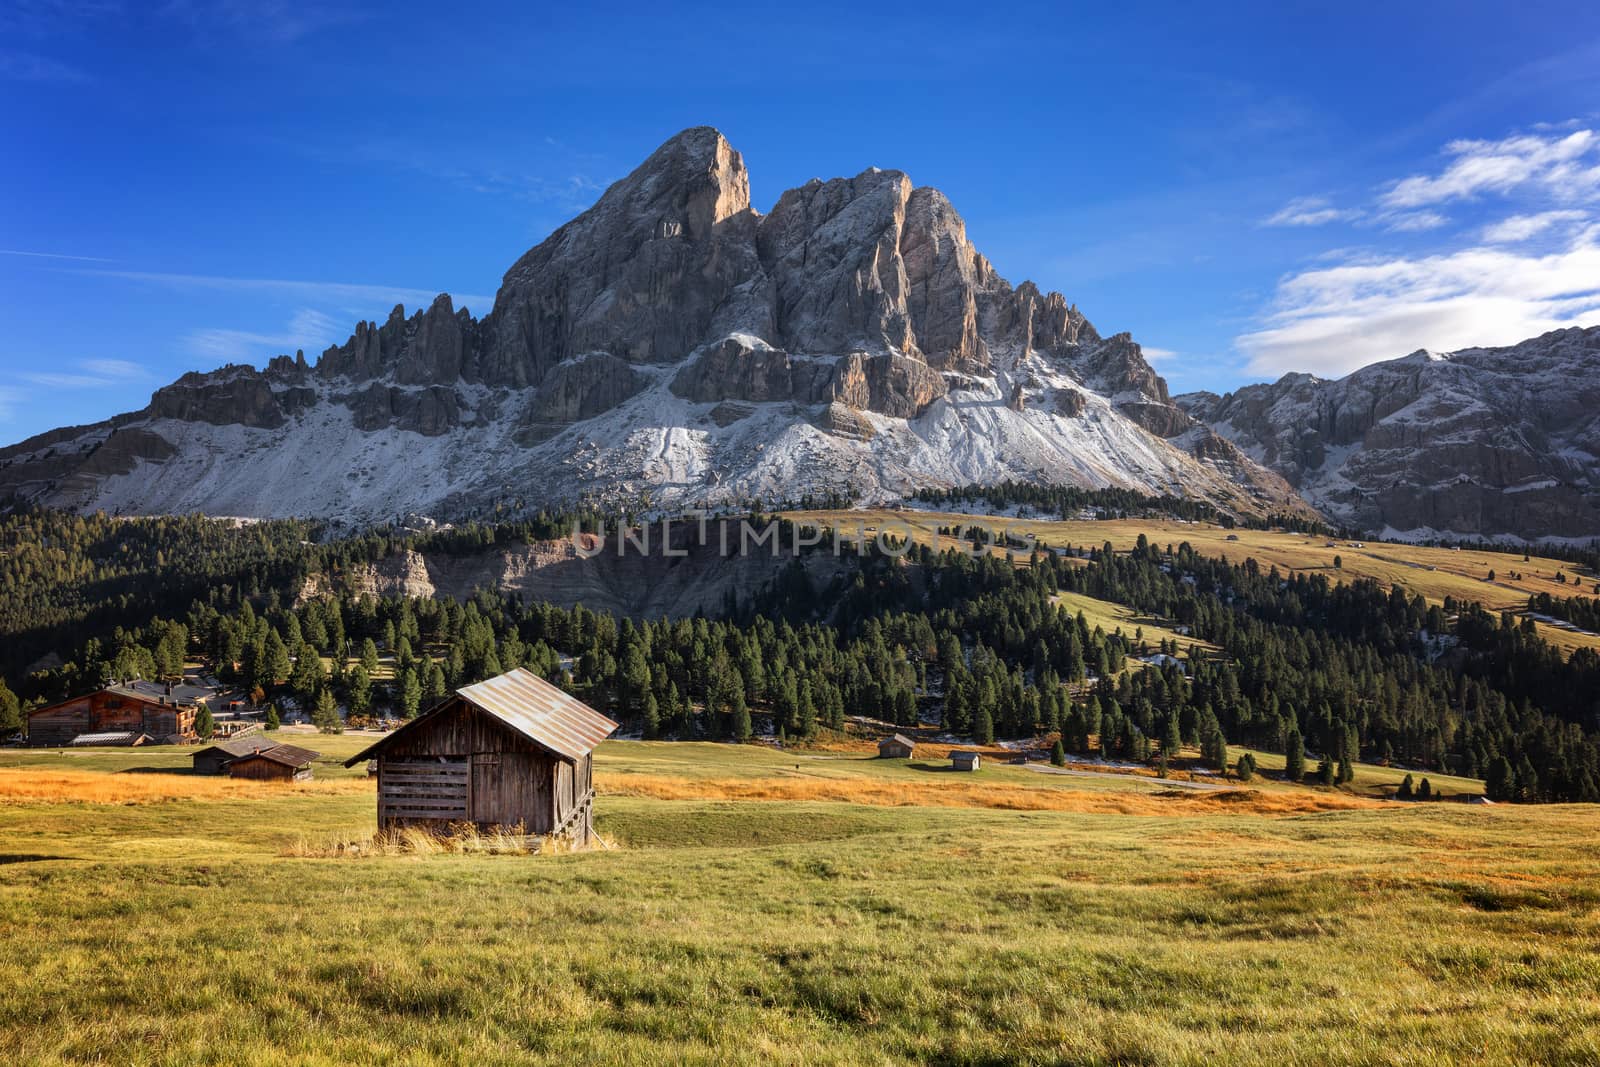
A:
[(671, 343), (1481, 442)]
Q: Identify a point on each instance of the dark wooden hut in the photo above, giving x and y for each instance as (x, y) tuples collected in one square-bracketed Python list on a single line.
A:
[(214, 759), (282, 763), (514, 751), (896, 746)]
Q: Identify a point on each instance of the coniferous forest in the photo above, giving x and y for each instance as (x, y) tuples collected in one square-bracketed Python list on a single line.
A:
[(1329, 673)]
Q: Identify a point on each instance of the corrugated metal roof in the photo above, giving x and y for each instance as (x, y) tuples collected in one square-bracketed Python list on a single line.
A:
[(116, 737), (541, 712)]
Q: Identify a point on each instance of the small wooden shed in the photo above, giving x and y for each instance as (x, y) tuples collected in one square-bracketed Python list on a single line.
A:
[(214, 759), (965, 761), (896, 746), (514, 751), (280, 763)]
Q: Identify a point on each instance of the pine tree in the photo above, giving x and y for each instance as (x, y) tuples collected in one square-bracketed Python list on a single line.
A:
[(1500, 782), (650, 716), (10, 711), (277, 665), (1407, 788), (1294, 761), (1169, 739), (274, 720), (1058, 755), (369, 656), (204, 724), (983, 727), (359, 690), (739, 716), (1425, 790), (410, 694), (326, 715), (305, 678)]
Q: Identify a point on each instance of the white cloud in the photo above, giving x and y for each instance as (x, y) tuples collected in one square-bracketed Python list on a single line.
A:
[(1157, 355), (1523, 227), (90, 374), (127, 370), (1564, 166), (51, 255), (309, 292), (1414, 221), (1310, 211), (308, 329), (1331, 320)]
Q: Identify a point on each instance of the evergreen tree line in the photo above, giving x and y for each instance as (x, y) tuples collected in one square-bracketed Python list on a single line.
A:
[(1320, 671), (1581, 611)]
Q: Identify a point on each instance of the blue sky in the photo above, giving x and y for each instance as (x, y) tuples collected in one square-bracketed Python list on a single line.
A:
[(1249, 189)]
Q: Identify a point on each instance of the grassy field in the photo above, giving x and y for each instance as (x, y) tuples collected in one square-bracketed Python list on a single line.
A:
[(1435, 573), (172, 928)]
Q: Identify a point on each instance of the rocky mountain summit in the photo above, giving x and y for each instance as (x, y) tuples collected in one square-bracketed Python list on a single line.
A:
[(1484, 442), (672, 346)]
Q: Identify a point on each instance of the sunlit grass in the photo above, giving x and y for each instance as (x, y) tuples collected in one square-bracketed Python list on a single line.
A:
[(865, 922)]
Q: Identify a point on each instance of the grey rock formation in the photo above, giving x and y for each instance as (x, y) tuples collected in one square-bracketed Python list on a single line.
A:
[(672, 343), (1484, 442)]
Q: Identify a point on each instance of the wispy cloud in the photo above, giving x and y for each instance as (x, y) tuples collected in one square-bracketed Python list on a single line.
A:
[(1413, 221), (90, 374), (1563, 165), (1310, 211), (1332, 320), (53, 255), (1526, 227), (307, 329), (307, 292), (1157, 355)]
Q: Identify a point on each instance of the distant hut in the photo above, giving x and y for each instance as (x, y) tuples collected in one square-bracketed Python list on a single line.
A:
[(965, 761), (214, 759), (899, 746), (511, 751), (274, 763)]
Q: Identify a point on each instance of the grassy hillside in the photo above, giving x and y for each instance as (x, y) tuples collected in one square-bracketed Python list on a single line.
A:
[(824, 931), (1435, 573)]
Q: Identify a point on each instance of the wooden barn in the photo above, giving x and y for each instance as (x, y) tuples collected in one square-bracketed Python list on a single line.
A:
[(161, 712), (512, 751), (965, 761), (274, 763), (214, 759), (897, 746)]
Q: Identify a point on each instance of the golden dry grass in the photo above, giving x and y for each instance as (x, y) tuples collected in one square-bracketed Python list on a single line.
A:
[(33, 786), (938, 792)]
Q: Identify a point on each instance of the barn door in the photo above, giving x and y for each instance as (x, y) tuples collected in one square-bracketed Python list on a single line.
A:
[(482, 795)]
